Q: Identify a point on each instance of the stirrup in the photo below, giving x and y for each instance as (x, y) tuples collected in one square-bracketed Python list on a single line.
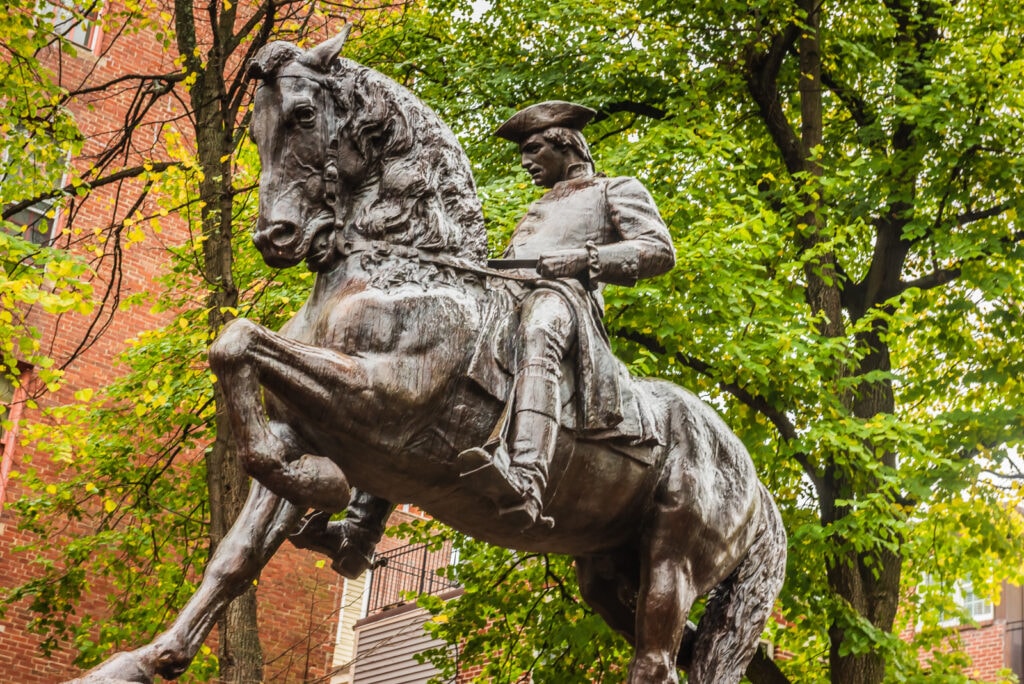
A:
[(527, 514), (489, 474)]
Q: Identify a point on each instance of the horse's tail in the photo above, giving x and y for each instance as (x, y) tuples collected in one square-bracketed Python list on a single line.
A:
[(739, 607)]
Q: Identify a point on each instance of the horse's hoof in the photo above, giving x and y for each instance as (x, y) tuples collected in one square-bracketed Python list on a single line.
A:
[(351, 561)]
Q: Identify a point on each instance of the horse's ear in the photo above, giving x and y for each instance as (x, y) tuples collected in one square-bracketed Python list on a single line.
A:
[(326, 52)]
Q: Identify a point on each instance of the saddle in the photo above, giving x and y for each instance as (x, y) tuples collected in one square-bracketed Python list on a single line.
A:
[(599, 397)]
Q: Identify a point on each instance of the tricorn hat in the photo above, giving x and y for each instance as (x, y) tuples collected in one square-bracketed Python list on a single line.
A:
[(542, 116)]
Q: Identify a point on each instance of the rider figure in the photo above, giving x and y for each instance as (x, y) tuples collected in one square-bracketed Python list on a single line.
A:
[(586, 231)]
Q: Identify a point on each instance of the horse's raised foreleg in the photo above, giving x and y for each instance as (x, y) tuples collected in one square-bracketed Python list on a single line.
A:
[(265, 521), (246, 358)]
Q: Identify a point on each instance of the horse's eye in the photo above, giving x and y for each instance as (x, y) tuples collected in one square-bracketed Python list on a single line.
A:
[(304, 115)]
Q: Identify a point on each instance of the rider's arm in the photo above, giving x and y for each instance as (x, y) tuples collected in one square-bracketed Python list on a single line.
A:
[(645, 249)]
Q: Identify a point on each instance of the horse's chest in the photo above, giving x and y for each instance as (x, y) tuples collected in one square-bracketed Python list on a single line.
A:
[(372, 324), (361, 327)]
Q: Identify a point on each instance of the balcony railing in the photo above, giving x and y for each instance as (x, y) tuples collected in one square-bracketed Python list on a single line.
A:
[(410, 568)]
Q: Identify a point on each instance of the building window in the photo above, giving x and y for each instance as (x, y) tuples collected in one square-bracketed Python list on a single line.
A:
[(38, 220), (978, 607), (36, 165), (973, 606), (75, 21)]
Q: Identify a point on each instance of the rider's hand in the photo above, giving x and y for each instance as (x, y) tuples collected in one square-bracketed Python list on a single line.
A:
[(567, 263)]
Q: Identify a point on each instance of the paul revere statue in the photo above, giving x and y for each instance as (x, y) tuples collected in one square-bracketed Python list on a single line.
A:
[(587, 230)]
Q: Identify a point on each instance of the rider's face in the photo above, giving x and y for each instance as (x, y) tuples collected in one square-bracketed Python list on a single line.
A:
[(546, 163)]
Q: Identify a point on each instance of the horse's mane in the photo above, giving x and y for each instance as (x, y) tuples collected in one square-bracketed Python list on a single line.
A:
[(425, 196)]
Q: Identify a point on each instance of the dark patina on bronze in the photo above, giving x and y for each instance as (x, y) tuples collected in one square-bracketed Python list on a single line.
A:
[(417, 373)]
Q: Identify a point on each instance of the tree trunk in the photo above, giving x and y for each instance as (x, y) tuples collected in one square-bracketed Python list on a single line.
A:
[(239, 652), (869, 580)]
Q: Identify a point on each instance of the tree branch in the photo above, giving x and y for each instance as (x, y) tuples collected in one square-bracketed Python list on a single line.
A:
[(943, 276), (762, 83), (935, 279), (639, 108), (165, 78), (972, 216), (70, 189), (862, 112)]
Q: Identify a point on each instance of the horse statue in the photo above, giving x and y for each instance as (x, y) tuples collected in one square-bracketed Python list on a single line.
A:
[(367, 387)]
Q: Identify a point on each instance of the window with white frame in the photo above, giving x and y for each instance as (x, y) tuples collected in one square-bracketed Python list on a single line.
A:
[(23, 157), (74, 20), (978, 607), (975, 607), (38, 221)]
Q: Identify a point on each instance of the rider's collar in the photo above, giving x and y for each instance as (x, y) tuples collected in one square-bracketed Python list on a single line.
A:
[(578, 170)]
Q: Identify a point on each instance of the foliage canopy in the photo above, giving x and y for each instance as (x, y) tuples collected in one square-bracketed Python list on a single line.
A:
[(843, 185), (842, 182)]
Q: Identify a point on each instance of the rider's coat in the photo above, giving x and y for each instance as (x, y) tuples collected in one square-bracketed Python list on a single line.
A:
[(617, 221)]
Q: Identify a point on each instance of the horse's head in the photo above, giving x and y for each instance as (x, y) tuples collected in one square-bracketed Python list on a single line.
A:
[(343, 148)]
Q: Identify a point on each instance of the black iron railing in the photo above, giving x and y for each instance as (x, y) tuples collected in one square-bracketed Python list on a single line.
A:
[(410, 568)]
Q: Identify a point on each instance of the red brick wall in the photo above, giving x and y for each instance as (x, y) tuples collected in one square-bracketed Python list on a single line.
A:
[(984, 645), (298, 601)]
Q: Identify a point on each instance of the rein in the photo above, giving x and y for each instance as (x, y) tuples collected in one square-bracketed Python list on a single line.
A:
[(495, 267)]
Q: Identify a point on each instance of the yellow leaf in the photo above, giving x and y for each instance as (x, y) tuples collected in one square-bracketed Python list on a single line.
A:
[(51, 489), (109, 506)]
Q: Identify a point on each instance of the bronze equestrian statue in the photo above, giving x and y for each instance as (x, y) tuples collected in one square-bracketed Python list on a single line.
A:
[(404, 376)]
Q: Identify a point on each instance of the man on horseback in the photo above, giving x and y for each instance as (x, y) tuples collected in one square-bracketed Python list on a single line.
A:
[(586, 231)]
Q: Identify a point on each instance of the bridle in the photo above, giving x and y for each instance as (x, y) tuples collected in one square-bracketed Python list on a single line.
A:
[(343, 245)]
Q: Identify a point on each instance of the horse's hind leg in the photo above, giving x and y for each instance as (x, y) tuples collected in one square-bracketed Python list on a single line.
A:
[(265, 521), (666, 595)]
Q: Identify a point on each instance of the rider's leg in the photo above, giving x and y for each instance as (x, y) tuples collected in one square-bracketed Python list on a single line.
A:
[(546, 331), (349, 542)]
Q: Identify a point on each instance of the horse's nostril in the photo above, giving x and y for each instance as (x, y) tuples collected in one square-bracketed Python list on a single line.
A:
[(282, 233), (278, 234)]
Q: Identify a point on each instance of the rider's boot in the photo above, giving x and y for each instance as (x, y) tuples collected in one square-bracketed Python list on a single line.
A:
[(532, 448), (516, 478), (350, 542)]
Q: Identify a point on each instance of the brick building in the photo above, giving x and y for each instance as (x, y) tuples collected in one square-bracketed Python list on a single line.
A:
[(314, 627), (299, 598), (992, 636)]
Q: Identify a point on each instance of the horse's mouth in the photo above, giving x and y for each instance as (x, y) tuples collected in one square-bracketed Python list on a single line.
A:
[(283, 244), (321, 249)]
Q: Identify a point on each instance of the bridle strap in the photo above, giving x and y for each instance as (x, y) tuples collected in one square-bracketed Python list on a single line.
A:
[(381, 248)]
